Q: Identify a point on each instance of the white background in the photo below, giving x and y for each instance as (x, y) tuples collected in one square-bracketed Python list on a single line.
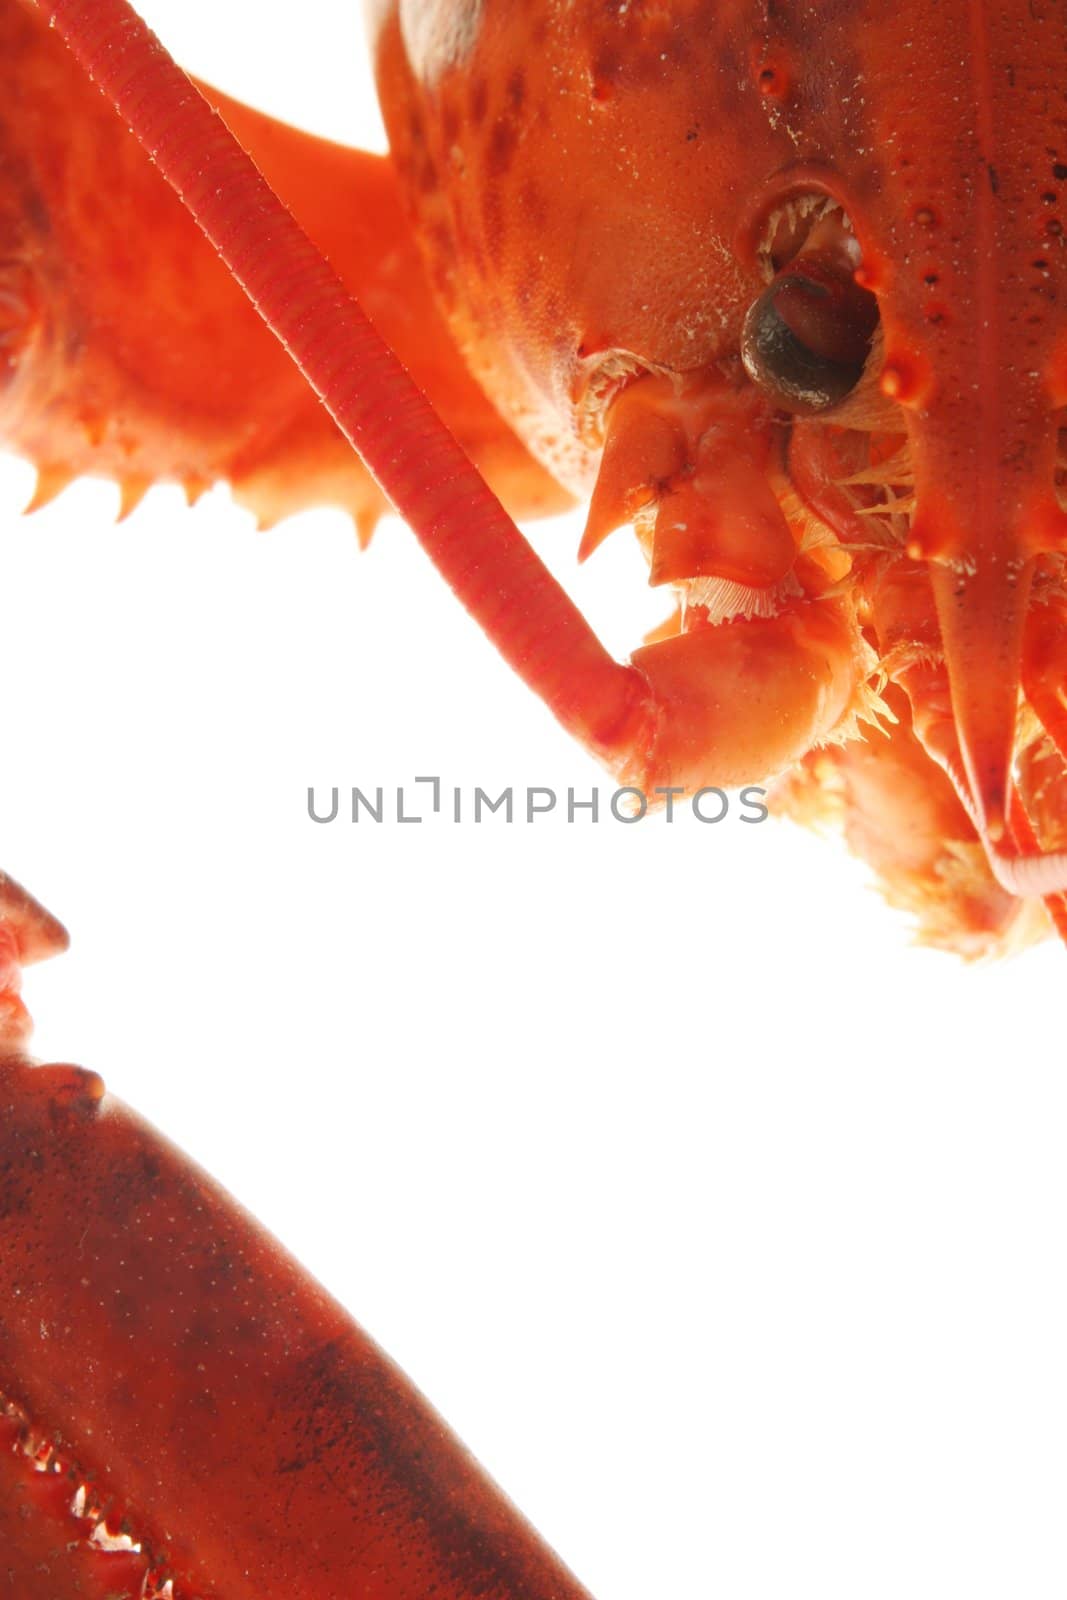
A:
[(726, 1227)]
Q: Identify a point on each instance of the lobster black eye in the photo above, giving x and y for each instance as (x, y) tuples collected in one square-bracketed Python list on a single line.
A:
[(807, 337)]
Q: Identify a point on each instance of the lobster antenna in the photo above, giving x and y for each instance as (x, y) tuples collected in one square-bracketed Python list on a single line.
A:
[(433, 485), (981, 619)]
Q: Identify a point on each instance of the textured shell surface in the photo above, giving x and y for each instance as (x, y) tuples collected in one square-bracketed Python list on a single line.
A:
[(714, 1216)]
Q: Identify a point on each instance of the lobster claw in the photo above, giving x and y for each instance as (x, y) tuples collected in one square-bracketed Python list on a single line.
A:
[(181, 1407)]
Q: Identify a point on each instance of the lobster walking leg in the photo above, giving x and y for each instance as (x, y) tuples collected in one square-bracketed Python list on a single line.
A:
[(222, 1409)]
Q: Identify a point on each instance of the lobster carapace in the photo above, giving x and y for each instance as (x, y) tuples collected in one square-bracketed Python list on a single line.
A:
[(780, 284)]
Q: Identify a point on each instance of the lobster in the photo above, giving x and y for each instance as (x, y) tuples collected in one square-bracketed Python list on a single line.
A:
[(911, 780), (780, 417)]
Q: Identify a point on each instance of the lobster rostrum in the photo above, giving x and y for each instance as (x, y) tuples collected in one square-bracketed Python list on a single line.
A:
[(812, 349)]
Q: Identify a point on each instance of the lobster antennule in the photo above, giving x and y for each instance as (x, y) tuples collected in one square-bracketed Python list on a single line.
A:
[(981, 618), (966, 715), (1021, 867)]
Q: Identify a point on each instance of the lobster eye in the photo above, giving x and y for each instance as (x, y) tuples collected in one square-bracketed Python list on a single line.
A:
[(807, 337)]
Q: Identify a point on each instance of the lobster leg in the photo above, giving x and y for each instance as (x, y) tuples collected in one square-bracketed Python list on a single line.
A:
[(130, 351), (223, 1412)]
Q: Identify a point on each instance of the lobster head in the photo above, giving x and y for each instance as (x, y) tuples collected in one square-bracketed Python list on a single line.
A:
[(782, 284)]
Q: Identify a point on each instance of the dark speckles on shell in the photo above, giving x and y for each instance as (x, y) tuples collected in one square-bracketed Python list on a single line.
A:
[(500, 148), (637, 49), (479, 100), (451, 122), (405, 1463), (605, 72), (493, 218), (426, 175)]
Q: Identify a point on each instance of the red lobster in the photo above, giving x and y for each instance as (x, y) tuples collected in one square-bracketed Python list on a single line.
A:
[(904, 523), (805, 391)]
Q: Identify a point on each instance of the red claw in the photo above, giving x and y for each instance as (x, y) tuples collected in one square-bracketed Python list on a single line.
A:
[(180, 1404)]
